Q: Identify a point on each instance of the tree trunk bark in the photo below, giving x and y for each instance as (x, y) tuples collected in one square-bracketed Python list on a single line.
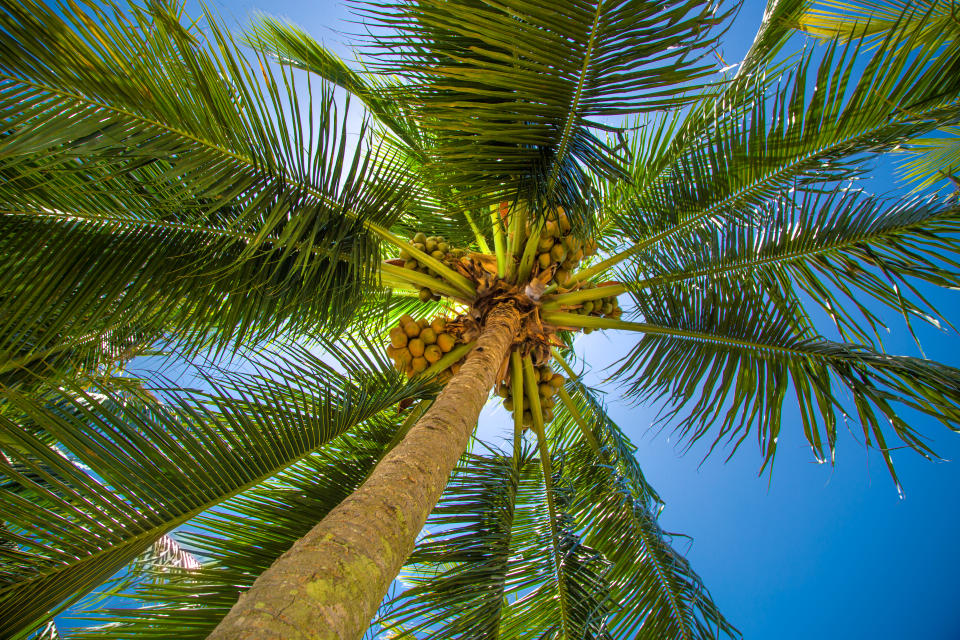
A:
[(330, 583)]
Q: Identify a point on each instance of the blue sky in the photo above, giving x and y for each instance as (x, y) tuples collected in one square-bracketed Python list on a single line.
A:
[(813, 550)]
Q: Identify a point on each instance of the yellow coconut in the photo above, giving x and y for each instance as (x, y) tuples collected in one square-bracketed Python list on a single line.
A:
[(446, 342), (416, 347)]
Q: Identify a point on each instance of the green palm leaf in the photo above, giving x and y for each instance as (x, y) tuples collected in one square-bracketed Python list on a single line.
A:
[(617, 510), (559, 584), (161, 200), (814, 129), (724, 361), (152, 467), (872, 19), (839, 249), (240, 538), (933, 159), (475, 80)]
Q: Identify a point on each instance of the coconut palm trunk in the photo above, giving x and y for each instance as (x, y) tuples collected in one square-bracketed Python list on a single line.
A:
[(330, 583)]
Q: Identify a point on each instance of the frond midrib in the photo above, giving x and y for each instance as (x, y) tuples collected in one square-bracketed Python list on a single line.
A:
[(154, 532), (566, 135), (242, 159), (789, 256)]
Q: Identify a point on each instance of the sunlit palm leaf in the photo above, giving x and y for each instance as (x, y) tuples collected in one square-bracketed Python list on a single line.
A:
[(241, 538), (151, 177), (724, 361), (870, 19), (814, 129), (934, 160), (291, 44), (839, 249), (557, 585), (475, 75), (435, 207), (617, 510), (149, 468)]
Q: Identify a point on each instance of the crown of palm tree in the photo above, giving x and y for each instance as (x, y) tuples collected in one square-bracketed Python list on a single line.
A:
[(165, 188)]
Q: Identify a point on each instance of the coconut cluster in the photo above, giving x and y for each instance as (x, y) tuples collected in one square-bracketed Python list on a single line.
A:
[(548, 383), (416, 344), (607, 307), (436, 247), (559, 249)]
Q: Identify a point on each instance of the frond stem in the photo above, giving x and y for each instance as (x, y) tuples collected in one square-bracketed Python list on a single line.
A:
[(552, 303), (533, 395), (419, 280)]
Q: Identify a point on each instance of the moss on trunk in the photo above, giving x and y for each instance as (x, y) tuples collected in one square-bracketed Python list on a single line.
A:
[(330, 583)]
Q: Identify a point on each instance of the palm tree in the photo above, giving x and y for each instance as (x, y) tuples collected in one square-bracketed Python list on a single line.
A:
[(163, 189)]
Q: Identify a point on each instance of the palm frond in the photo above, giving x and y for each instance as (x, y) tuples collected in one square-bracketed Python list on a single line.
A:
[(475, 76), (617, 511), (816, 128), (933, 159), (292, 45), (779, 20), (558, 584), (143, 150), (839, 249), (148, 466), (457, 575), (242, 537), (724, 361), (873, 19)]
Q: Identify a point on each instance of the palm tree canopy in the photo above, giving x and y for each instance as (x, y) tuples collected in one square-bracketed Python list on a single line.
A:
[(170, 185)]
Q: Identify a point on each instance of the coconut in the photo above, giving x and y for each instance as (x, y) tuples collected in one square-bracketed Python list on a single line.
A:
[(416, 347), (544, 260), (422, 323), (420, 237), (432, 353), (411, 264), (545, 244), (438, 325), (508, 404), (546, 389), (556, 381), (397, 337), (412, 329), (561, 276), (446, 342), (404, 356), (428, 335), (558, 253), (419, 364), (425, 295)]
